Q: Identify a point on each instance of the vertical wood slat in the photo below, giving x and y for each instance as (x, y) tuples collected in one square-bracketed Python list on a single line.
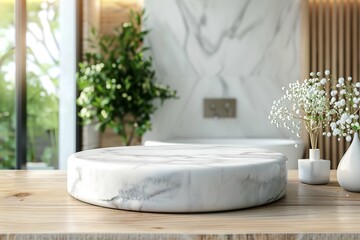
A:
[(327, 57), (320, 56), (334, 44), (356, 50), (355, 40), (334, 72), (312, 42), (347, 42), (340, 64), (320, 30), (313, 36), (358, 40)]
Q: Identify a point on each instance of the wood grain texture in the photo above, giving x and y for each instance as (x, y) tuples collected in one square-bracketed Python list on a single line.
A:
[(36, 204)]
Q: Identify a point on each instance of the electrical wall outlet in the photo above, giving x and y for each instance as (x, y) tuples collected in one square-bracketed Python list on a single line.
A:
[(219, 108)]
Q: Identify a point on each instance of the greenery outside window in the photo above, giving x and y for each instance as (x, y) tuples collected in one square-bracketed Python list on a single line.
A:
[(42, 80)]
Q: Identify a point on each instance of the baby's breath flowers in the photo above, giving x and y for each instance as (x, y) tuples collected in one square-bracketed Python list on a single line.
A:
[(304, 103), (345, 105)]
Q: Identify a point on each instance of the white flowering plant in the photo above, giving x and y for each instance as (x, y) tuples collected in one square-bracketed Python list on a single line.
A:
[(304, 103), (345, 105)]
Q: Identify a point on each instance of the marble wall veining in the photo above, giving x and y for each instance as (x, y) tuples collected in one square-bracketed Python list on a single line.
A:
[(246, 49)]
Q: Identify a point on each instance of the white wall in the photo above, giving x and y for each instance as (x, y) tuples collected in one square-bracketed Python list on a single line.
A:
[(246, 49), (67, 83)]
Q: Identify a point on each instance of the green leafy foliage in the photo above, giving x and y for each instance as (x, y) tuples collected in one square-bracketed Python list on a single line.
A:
[(42, 122), (117, 82), (42, 104), (7, 118), (7, 13), (42, 99)]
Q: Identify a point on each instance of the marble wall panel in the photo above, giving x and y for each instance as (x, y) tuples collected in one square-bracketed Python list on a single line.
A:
[(243, 49)]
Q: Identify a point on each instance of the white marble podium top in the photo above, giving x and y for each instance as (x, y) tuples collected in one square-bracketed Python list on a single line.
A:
[(177, 178), (194, 156)]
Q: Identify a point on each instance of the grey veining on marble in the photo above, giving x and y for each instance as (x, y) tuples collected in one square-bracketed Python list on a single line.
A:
[(247, 49), (177, 178)]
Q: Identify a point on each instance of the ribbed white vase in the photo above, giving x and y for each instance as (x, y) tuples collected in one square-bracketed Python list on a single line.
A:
[(348, 171)]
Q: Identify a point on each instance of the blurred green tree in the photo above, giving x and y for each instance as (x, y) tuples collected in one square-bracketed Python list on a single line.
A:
[(42, 82)]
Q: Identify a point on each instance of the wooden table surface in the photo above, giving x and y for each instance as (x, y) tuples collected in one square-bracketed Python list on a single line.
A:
[(36, 203)]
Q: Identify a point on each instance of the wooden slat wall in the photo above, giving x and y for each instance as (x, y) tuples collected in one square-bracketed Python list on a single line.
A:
[(105, 15), (334, 44), (116, 12)]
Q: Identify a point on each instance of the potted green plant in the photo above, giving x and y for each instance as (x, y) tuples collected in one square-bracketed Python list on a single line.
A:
[(117, 83)]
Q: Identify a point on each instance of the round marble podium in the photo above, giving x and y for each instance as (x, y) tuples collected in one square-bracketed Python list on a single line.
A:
[(177, 178)]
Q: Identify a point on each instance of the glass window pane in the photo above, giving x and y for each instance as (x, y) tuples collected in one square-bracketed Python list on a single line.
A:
[(7, 85), (42, 83)]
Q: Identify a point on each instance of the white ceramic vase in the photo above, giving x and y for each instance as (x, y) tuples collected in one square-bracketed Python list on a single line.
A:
[(348, 171), (314, 170)]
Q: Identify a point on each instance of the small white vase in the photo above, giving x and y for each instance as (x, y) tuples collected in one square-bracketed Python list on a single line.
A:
[(348, 171), (314, 170)]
